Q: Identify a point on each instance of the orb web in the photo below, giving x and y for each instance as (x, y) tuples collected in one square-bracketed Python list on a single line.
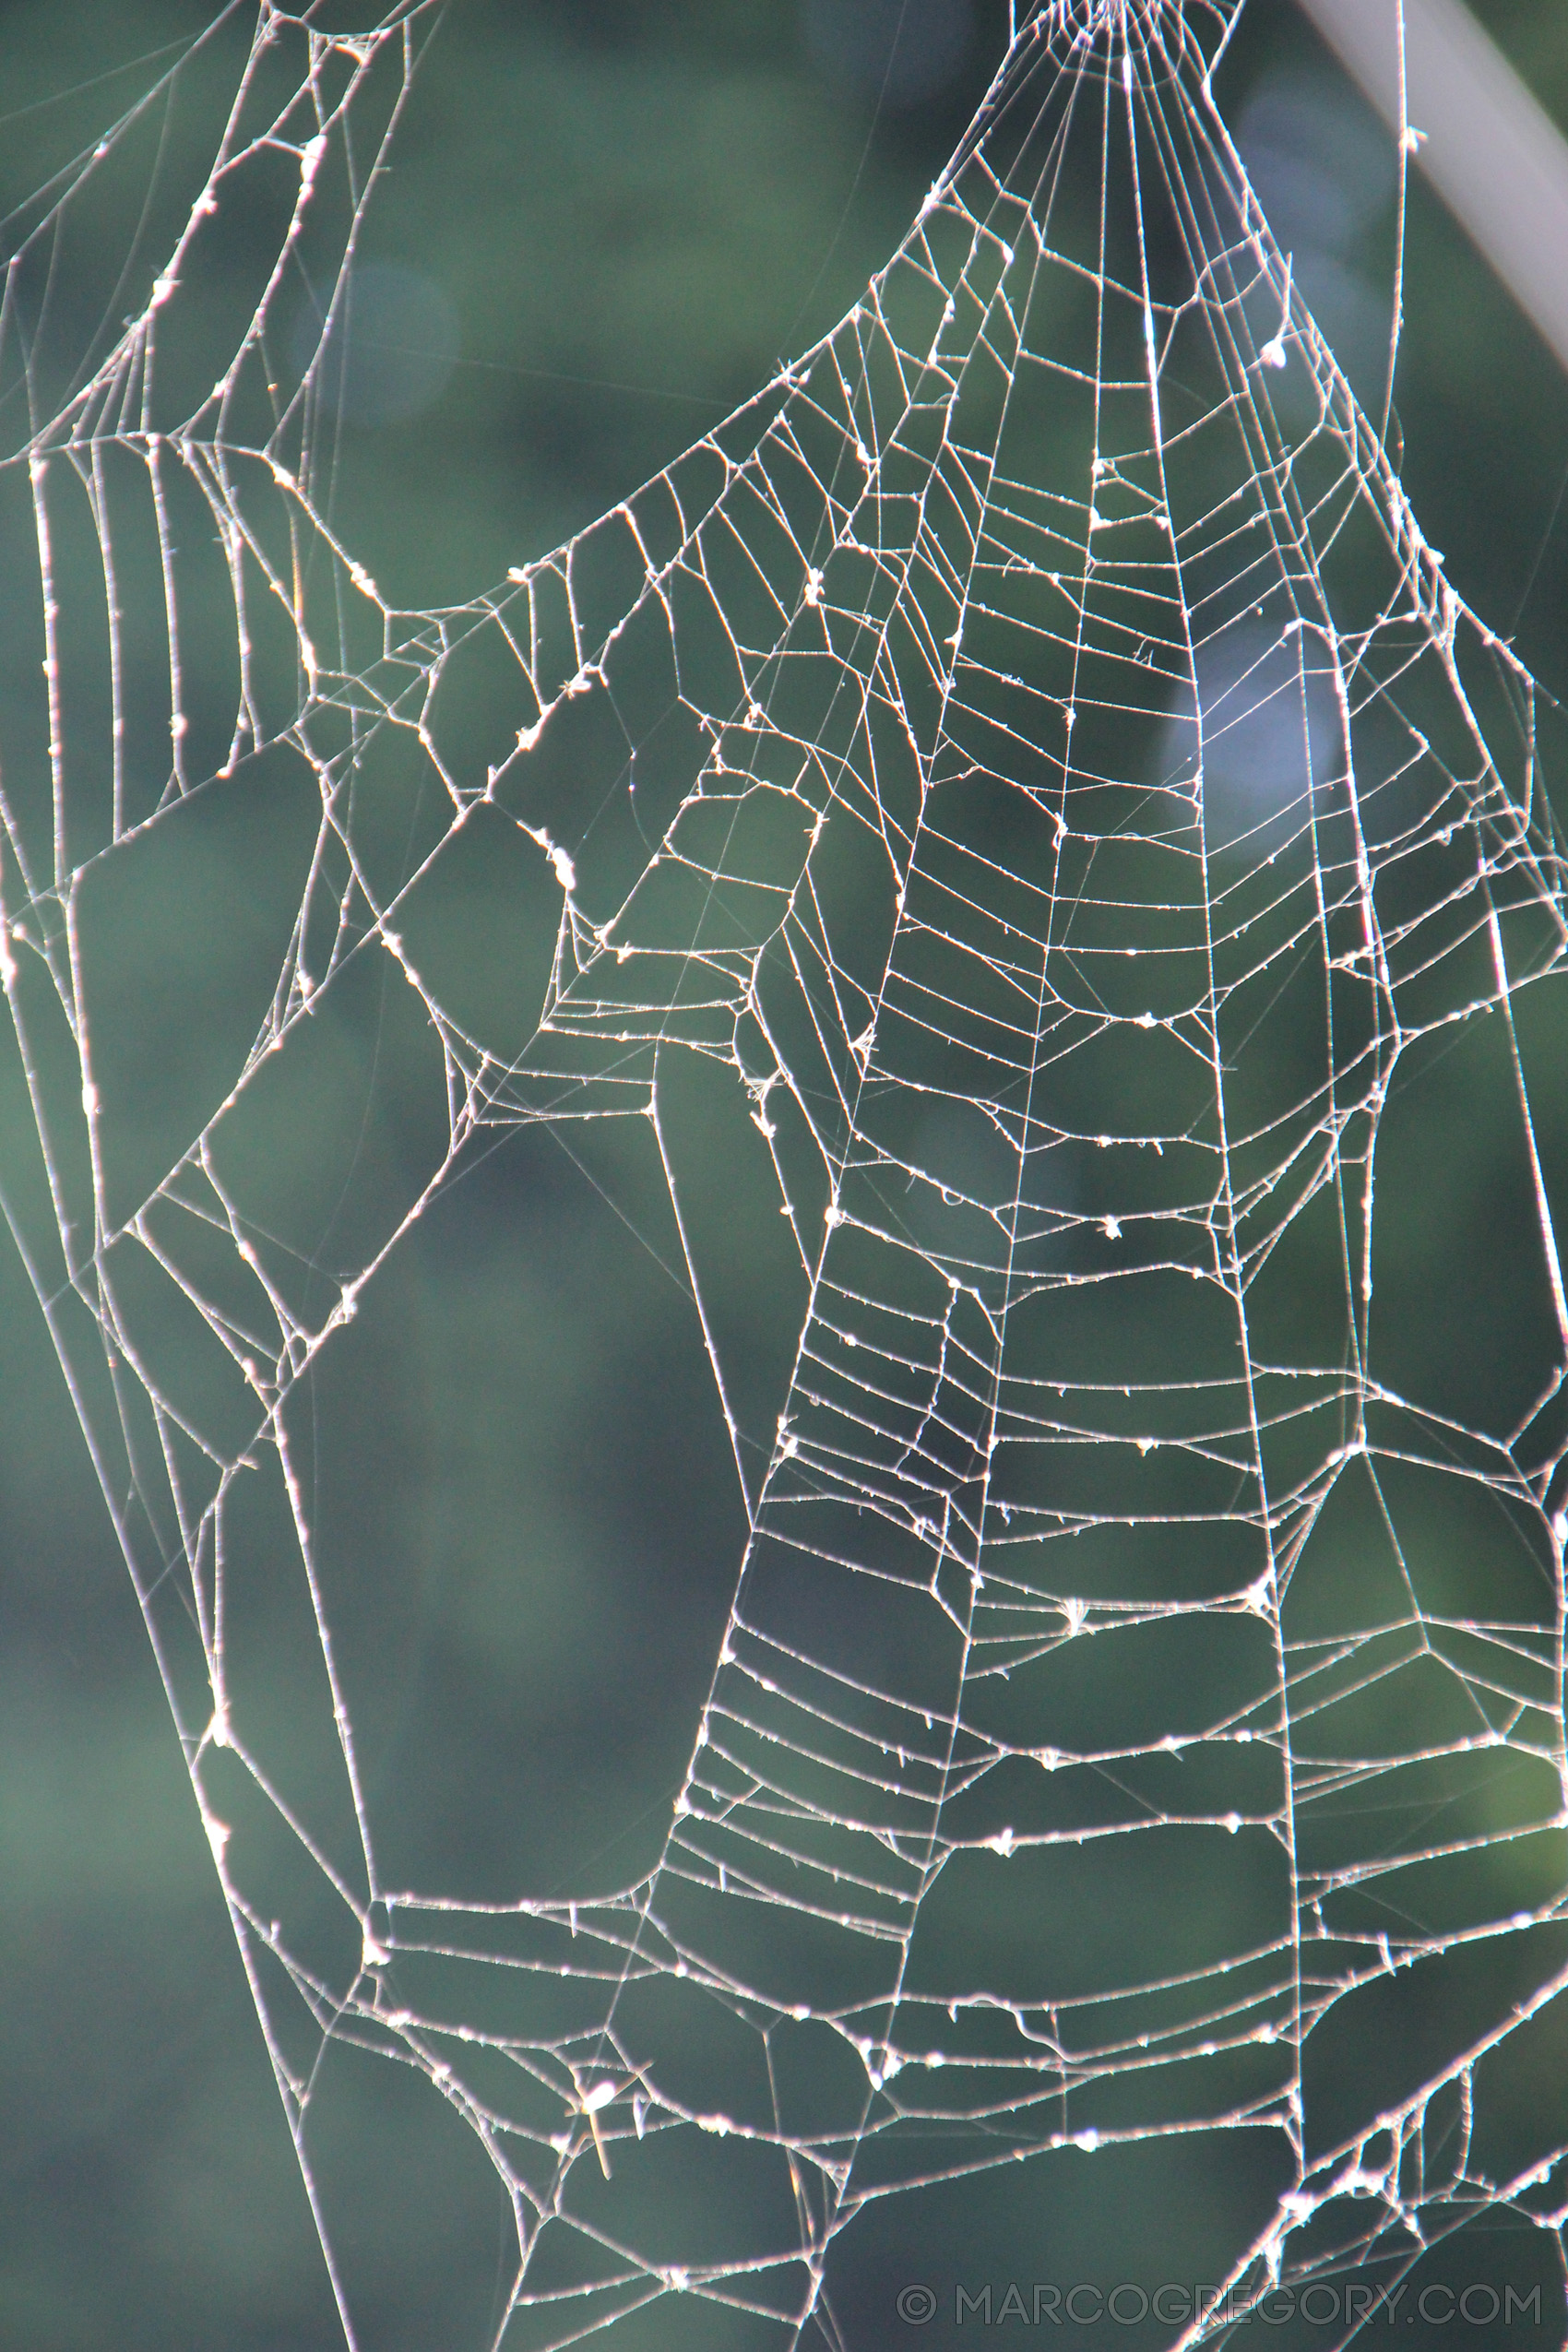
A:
[(1030, 770)]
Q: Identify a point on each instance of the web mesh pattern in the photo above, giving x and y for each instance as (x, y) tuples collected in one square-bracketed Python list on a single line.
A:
[(1031, 765)]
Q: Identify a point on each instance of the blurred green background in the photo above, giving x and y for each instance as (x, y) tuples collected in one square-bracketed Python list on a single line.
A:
[(606, 223)]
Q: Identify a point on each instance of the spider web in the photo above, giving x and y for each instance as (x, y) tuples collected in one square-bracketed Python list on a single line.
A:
[(1029, 770)]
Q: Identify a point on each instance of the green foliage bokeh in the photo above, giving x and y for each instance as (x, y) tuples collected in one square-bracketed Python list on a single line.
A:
[(634, 208)]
